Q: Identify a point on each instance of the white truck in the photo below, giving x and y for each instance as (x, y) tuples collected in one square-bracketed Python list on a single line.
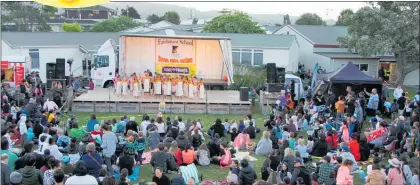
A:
[(209, 58)]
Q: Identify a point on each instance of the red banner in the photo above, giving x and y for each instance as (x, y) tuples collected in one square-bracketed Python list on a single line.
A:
[(4, 64), (19, 75)]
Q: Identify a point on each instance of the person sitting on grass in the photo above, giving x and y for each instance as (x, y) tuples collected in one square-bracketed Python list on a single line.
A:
[(77, 132), (264, 146), (242, 141), (225, 159), (188, 155), (159, 158), (251, 130), (159, 178), (247, 175)]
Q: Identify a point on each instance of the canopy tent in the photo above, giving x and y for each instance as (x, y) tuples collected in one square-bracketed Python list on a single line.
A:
[(347, 75)]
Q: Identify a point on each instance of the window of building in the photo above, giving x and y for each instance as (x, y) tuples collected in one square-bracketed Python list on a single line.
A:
[(362, 67), (248, 56), (101, 61), (34, 54), (95, 12)]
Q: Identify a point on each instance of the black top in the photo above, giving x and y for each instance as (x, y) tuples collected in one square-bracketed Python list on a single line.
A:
[(164, 180), (126, 161)]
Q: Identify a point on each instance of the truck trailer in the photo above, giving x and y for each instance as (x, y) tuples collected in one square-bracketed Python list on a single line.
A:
[(209, 58)]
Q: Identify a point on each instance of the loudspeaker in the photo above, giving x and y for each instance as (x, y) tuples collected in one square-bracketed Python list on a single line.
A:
[(280, 75), (271, 72), (274, 87), (243, 94), (60, 68), (50, 68)]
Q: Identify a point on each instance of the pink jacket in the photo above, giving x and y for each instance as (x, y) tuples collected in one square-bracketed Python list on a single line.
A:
[(242, 140), (343, 176), (395, 177)]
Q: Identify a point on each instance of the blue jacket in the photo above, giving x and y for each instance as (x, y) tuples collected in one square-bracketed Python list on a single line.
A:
[(91, 124), (94, 163)]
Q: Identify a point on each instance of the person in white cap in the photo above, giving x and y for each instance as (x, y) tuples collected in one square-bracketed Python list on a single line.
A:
[(50, 106), (395, 174), (15, 178)]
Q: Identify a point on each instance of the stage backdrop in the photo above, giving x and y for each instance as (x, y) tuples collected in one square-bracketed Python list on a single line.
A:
[(175, 56)]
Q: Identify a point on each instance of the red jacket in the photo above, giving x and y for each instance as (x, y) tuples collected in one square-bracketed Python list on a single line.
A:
[(332, 141), (178, 157), (354, 149)]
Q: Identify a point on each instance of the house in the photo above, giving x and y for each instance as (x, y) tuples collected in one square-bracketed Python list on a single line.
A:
[(47, 47), (253, 49), (270, 29), (93, 12), (57, 24)]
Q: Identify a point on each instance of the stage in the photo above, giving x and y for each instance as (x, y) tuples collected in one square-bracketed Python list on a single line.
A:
[(217, 102)]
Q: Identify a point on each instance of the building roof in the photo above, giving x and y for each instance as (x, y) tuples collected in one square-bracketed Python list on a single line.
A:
[(97, 7), (238, 40), (62, 21), (324, 35), (86, 40), (346, 56), (272, 29)]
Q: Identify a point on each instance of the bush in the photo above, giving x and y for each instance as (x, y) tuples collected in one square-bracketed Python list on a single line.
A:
[(248, 76)]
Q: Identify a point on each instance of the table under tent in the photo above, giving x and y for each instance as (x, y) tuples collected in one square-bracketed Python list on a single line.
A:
[(347, 75)]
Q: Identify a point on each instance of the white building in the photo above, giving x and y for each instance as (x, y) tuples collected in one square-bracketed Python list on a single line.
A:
[(47, 47), (318, 44), (254, 49)]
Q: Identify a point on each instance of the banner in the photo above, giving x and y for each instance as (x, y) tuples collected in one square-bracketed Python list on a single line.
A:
[(314, 76), (175, 56)]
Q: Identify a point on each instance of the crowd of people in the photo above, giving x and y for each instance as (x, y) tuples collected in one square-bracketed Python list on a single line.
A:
[(321, 139), (159, 85)]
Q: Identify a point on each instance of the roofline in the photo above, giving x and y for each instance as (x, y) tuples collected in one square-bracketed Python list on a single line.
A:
[(306, 38), (257, 47), (326, 46), (175, 36), (354, 58), (70, 23)]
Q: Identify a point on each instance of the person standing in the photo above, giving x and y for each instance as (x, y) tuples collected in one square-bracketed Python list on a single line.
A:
[(109, 145), (398, 92), (381, 73)]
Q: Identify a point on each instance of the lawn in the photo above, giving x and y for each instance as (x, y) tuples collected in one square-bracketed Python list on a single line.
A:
[(212, 172)]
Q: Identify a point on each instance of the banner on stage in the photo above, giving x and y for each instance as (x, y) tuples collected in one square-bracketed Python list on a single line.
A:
[(175, 56)]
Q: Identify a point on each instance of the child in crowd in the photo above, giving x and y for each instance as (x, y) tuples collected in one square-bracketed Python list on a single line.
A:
[(227, 126), (141, 146), (66, 166), (292, 140), (233, 134), (234, 167)]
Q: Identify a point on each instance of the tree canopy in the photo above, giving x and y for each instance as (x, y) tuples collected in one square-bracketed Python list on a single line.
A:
[(130, 12), (233, 22), (153, 18), (72, 27), (310, 19), (344, 19), (387, 27), (172, 17), (115, 24), (286, 20), (27, 16)]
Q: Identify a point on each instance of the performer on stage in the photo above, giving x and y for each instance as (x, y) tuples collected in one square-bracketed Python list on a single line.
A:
[(146, 83), (195, 86), (202, 90), (168, 86), (191, 88), (174, 85), (136, 85), (157, 85), (186, 84), (125, 86), (118, 82), (140, 82), (131, 83), (179, 89), (164, 81)]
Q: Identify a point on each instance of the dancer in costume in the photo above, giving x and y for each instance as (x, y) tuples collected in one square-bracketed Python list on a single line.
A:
[(190, 89), (195, 86), (136, 85), (157, 85), (186, 83), (174, 85), (131, 83), (125, 86), (140, 81), (146, 83), (179, 89), (202, 90), (164, 81), (118, 88), (168, 86)]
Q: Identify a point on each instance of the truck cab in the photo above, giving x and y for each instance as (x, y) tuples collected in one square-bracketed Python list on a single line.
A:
[(105, 64)]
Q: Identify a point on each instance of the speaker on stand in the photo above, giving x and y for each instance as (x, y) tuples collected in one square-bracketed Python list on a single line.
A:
[(50, 68), (280, 75), (60, 66), (271, 72), (243, 94)]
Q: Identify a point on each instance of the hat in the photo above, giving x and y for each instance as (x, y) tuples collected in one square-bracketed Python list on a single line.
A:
[(373, 119), (345, 148), (298, 160), (65, 159), (327, 158), (15, 178), (401, 118), (394, 162)]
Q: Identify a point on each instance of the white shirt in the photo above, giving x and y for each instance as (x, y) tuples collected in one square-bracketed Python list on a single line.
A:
[(144, 125), (54, 151), (181, 126), (160, 127), (81, 180), (234, 125), (398, 93), (199, 125), (50, 105), (13, 111), (22, 125), (46, 139)]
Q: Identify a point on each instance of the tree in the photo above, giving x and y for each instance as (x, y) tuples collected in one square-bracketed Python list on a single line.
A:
[(27, 16), (131, 13), (387, 27), (153, 18), (310, 19), (344, 19), (233, 22), (172, 17), (115, 24), (286, 20), (72, 27)]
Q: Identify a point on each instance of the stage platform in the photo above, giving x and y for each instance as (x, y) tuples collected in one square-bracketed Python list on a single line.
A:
[(217, 102)]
